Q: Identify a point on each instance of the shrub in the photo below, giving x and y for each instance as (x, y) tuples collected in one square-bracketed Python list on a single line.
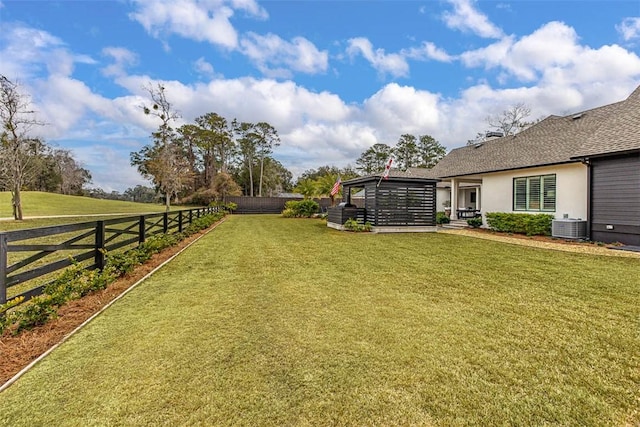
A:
[(300, 208), (230, 207), (37, 312), (442, 218), (353, 225), (529, 224), (201, 197), (475, 222)]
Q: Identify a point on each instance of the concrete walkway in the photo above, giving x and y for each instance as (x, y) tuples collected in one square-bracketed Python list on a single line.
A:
[(581, 247)]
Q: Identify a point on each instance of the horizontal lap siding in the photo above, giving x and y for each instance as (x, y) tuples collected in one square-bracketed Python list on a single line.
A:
[(615, 199)]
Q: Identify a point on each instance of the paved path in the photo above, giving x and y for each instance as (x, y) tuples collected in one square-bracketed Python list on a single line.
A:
[(565, 246)]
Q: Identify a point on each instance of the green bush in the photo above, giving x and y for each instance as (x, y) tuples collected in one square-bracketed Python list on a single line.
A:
[(475, 222), (37, 312), (353, 225), (300, 208), (442, 218), (520, 223)]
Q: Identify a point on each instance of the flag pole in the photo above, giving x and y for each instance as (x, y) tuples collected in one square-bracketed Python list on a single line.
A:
[(387, 169)]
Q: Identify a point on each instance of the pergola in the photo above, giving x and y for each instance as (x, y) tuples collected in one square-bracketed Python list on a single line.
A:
[(400, 202)]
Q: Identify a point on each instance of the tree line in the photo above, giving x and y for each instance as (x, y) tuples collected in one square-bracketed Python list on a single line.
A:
[(198, 162), (28, 163), (209, 159)]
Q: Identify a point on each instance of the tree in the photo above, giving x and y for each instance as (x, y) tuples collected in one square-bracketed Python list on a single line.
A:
[(223, 185), (430, 151), (17, 121), (406, 152), (140, 194), (165, 162), (374, 158), (247, 145), (277, 178), (188, 136), (266, 139), (72, 176), (512, 120), (306, 187), (215, 145)]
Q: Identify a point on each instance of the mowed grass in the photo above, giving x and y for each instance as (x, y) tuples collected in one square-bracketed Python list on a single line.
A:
[(36, 203), (272, 321)]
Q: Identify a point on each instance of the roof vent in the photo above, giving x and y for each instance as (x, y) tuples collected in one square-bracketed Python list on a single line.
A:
[(577, 116), (493, 134)]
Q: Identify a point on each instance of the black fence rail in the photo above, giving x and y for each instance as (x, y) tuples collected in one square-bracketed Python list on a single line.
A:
[(27, 255)]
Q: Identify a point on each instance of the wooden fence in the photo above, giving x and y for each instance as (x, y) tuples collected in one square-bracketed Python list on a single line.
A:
[(267, 205), (85, 242)]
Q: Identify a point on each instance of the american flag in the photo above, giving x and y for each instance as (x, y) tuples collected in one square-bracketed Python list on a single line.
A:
[(387, 168), (336, 187)]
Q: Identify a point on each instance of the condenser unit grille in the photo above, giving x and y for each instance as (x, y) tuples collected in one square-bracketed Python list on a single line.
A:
[(569, 228)]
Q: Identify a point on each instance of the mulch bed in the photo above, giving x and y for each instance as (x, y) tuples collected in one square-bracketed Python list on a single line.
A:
[(18, 351)]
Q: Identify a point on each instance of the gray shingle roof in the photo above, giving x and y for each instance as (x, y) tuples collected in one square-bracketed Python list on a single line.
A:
[(554, 140), (411, 173), (621, 133)]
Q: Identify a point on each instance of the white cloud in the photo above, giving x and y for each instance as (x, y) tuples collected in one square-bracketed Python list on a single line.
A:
[(275, 56), (201, 20), (385, 63), (466, 18), (101, 158), (531, 59), (35, 53), (62, 102), (203, 67), (122, 58), (428, 50), (629, 29), (403, 109)]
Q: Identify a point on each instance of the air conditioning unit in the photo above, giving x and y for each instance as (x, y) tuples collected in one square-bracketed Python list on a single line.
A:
[(569, 228)]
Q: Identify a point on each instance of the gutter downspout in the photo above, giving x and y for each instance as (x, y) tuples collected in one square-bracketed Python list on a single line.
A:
[(587, 163)]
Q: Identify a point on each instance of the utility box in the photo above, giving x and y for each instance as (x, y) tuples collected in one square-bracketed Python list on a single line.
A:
[(569, 228)]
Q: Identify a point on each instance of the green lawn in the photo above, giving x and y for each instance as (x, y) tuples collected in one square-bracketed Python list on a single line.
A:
[(272, 321), (35, 203)]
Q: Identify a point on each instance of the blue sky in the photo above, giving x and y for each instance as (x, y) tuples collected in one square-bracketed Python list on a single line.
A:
[(333, 77)]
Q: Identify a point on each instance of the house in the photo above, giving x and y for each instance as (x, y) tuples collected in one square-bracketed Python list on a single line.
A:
[(403, 202), (583, 166)]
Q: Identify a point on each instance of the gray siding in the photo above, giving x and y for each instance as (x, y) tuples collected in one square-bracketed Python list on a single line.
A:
[(615, 199)]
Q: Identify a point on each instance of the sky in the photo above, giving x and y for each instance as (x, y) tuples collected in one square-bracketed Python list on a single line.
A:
[(333, 77)]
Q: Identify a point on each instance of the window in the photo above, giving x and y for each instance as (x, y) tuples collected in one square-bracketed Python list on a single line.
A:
[(535, 193)]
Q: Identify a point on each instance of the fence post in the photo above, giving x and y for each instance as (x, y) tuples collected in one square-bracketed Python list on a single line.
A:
[(3, 268), (165, 222), (190, 216), (99, 257), (142, 230), (180, 222)]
